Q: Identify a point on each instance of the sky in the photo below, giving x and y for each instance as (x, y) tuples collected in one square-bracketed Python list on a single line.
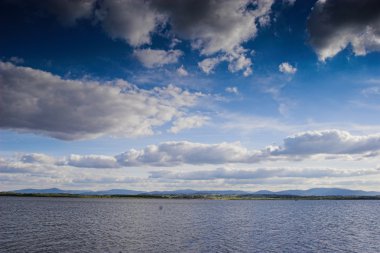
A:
[(200, 94)]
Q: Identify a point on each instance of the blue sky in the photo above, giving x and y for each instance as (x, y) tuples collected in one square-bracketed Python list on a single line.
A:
[(150, 95)]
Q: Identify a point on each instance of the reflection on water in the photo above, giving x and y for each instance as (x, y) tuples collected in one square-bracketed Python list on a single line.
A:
[(151, 225)]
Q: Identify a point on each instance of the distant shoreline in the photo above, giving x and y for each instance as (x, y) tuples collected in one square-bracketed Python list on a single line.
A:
[(189, 196)]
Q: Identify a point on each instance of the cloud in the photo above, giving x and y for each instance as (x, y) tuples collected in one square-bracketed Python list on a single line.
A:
[(151, 58), (181, 71), (37, 158), (237, 61), (371, 91), (16, 60), (300, 146), (188, 122), (175, 153), (335, 24), (130, 20), (211, 26), (214, 26), (260, 173), (208, 65), (233, 90), (328, 142), (92, 161), (40, 102), (287, 68)]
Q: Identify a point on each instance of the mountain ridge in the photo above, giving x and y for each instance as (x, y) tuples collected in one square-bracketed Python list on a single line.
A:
[(308, 192)]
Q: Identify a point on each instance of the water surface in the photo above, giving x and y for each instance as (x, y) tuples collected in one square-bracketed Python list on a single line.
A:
[(151, 225)]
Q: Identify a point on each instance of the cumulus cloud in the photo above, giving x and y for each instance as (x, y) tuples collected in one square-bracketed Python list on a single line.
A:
[(212, 25), (328, 142), (208, 65), (40, 102), (92, 161), (37, 158), (175, 153), (188, 122), (151, 58), (224, 173), (237, 61), (287, 68), (181, 71), (131, 20), (335, 24)]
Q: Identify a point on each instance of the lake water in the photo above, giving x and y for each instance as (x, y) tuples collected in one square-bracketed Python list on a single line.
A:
[(150, 225)]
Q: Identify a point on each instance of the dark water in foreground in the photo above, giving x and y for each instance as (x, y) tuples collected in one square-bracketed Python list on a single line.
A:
[(148, 225)]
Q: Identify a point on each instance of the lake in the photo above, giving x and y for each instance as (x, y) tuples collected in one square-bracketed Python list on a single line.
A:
[(164, 225)]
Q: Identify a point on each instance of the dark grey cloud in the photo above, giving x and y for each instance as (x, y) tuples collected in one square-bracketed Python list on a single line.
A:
[(335, 24), (40, 102)]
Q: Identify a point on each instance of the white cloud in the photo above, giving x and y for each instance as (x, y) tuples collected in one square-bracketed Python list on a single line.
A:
[(335, 24), (92, 161), (287, 68), (237, 61), (188, 122), (328, 142), (208, 65), (181, 71), (232, 89), (152, 58), (39, 102), (175, 153), (37, 158)]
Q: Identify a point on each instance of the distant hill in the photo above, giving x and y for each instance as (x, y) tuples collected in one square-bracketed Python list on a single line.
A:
[(48, 191), (310, 192), (82, 192), (328, 192)]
